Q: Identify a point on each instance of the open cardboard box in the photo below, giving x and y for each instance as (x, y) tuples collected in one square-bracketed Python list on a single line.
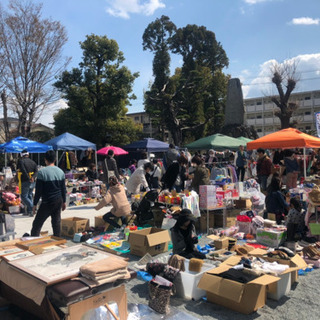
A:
[(294, 262), (219, 243), (149, 240), (244, 298), (275, 290)]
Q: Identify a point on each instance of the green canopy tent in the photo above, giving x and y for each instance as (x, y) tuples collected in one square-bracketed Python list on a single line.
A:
[(217, 141), (245, 140)]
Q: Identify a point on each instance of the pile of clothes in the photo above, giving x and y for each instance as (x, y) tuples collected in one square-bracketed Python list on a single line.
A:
[(105, 271)]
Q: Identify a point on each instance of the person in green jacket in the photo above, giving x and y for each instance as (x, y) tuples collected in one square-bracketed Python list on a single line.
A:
[(201, 175)]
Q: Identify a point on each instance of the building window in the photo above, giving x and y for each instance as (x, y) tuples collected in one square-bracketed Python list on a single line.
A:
[(307, 98), (307, 113), (308, 128), (259, 130), (136, 118), (259, 103), (259, 117)]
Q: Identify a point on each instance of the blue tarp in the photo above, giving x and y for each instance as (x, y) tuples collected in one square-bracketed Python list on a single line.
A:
[(68, 141), (19, 144), (148, 144)]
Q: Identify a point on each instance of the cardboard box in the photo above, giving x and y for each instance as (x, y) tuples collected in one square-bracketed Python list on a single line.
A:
[(99, 222), (294, 262), (243, 204), (272, 216), (244, 298), (270, 238), (70, 226), (218, 221), (203, 222), (149, 240), (219, 243), (277, 290)]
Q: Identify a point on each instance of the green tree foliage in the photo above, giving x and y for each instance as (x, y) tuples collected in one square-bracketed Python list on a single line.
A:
[(191, 102), (97, 93)]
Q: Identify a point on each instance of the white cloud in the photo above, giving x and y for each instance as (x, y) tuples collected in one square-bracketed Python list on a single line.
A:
[(305, 21), (47, 116), (123, 8), (308, 67)]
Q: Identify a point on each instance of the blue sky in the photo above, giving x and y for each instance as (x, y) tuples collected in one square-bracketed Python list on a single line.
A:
[(254, 33)]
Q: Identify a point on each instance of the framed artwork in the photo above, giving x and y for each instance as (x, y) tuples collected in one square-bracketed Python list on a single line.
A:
[(41, 242), (18, 255), (9, 249), (58, 265)]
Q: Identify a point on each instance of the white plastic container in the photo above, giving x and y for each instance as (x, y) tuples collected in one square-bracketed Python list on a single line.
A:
[(186, 282), (14, 209), (281, 288)]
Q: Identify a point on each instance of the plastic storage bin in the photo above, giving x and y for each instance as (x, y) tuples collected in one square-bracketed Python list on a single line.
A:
[(186, 282), (281, 288)]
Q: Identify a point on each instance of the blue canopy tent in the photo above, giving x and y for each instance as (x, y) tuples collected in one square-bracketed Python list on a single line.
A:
[(19, 144), (68, 141), (148, 144)]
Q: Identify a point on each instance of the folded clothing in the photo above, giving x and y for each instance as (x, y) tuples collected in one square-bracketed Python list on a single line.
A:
[(237, 275), (106, 270)]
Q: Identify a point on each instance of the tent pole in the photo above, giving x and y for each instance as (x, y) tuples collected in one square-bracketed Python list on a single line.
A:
[(57, 157), (96, 159), (304, 163), (5, 159)]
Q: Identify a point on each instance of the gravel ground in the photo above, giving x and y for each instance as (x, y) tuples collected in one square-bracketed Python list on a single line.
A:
[(301, 303)]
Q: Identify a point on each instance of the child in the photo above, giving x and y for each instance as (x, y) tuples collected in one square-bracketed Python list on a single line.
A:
[(295, 219)]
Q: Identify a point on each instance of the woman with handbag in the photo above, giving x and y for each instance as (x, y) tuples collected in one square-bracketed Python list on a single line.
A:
[(109, 167)]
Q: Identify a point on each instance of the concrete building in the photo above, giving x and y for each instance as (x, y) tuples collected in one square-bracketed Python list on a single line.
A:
[(259, 112)]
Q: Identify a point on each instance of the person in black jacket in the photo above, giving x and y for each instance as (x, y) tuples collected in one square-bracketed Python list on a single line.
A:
[(27, 173), (91, 173), (110, 167), (175, 175)]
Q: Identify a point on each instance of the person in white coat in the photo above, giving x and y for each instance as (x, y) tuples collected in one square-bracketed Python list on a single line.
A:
[(138, 178)]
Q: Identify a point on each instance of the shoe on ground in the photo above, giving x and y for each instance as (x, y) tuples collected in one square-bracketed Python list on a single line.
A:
[(303, 243)]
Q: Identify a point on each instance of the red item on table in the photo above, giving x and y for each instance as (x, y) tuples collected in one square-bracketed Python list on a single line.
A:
[(256, 245), (243, 218)]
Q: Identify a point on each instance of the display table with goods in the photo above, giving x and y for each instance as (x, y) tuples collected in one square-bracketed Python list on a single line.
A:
[(74, 279)]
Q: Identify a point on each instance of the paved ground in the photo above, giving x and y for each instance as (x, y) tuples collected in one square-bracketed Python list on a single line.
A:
[(301, 303)]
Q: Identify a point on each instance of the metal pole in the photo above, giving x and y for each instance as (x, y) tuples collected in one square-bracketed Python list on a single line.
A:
[(96, 159), (304, 163)]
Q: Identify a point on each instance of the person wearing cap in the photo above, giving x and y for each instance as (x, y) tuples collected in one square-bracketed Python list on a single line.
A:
[(184, 237), (116, 196), (27, 172)]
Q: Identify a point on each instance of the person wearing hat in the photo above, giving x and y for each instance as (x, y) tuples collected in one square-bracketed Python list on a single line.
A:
[(116, 196), (184, 237), (27, 172)]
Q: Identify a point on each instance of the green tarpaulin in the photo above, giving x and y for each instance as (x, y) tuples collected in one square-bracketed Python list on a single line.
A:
[(244, 139), (217, 142)]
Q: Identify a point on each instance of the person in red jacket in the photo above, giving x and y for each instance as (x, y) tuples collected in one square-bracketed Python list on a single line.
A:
[(264, 165)]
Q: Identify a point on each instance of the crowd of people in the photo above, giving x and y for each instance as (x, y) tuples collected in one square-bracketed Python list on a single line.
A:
[(176, 170)]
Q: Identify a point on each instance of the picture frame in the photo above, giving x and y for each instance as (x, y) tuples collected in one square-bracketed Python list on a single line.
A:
[(9, 249), (41, 242), (59, 265), (18, 255)]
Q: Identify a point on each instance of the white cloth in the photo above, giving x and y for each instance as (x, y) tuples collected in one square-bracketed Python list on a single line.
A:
[(137, 179), (141, 162)]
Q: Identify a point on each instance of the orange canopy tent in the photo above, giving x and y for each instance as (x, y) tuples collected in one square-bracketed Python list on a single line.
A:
[(286, 139)]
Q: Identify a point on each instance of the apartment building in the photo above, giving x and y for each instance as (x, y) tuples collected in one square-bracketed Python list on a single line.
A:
[(259, 112)]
